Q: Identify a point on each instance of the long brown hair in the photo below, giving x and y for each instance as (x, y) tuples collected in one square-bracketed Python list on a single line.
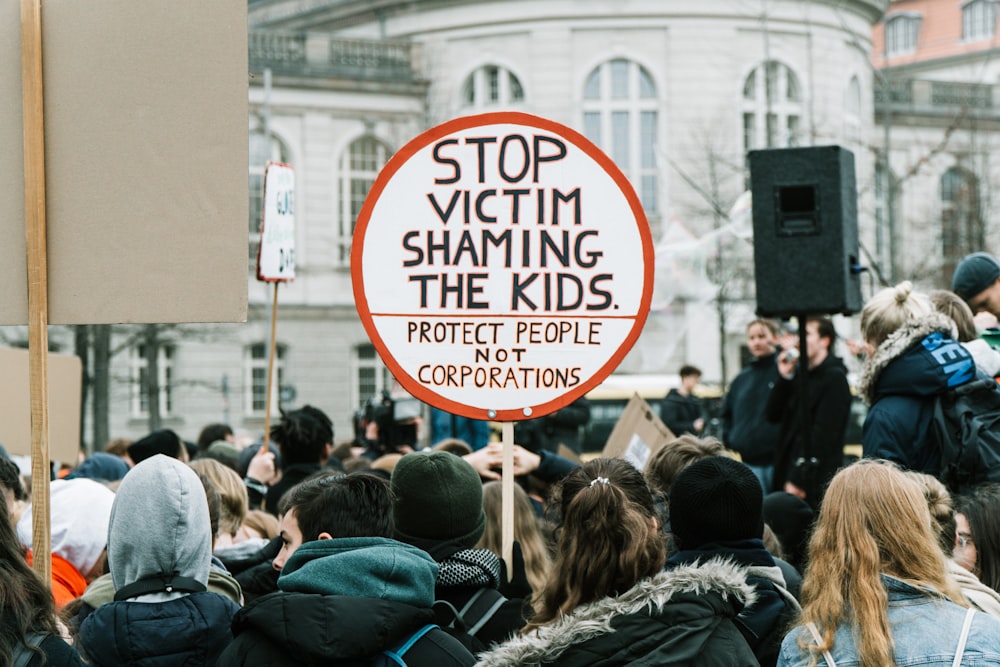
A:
[(874, 521), (608, 538), (527, 532)]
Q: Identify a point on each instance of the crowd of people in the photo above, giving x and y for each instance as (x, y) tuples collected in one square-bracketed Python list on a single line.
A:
[(763, 548)]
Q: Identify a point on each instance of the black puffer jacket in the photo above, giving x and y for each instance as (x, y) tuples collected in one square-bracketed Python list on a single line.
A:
[(680, 617), (192, 630)]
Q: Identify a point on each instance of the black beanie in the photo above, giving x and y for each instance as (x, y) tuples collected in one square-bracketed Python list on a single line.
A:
[(158, 442), (716, 499), (974, 273), (437, 497)]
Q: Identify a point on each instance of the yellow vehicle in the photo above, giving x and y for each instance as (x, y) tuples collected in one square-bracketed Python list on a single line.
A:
[(608, 400)]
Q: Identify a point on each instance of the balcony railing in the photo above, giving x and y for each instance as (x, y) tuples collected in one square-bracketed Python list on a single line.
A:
[(321, 55), (937, 98)]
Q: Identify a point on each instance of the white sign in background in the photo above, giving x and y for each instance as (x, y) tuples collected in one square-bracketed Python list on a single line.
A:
[(504, 268), (276, 256)]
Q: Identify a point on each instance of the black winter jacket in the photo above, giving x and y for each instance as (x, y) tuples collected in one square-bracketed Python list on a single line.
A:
[(680, 617), (744, 422), (829, 410), (314, 629), (191, 630), (679, 412)]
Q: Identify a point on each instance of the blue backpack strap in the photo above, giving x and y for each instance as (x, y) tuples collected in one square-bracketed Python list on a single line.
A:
[(23, 653), (396, 653)]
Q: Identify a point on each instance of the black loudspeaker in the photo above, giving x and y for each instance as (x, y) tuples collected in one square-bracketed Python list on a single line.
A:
[(805, 231)]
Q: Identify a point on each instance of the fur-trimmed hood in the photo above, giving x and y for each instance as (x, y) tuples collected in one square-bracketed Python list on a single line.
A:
[(926, 374), (651, 597)]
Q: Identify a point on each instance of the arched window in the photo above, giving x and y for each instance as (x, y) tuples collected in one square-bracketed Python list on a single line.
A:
[(979, 20), (260, 155), (620, 116), (852, 111), (961, 227), (359, 165), (902, 31), (492, 86), (255, 378), (772, 107)]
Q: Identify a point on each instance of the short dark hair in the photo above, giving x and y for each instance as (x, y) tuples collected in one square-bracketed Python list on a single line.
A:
[(354, 505), (688, 370), (824, 327), (211, 433), (302, 434)]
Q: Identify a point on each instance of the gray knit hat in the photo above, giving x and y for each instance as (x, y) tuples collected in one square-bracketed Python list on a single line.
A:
[(974, 273), (437, 496)]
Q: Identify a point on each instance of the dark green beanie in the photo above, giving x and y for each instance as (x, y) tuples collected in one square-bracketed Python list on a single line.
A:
[(974, 273), (437, 497)]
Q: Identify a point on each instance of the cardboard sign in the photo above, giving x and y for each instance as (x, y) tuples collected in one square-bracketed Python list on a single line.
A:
[(65, 378), (502, 266), (637, 435), (276, 255), (145, 162)]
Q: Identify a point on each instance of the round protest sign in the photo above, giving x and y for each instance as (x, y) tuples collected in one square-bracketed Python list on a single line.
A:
[(502, 266)]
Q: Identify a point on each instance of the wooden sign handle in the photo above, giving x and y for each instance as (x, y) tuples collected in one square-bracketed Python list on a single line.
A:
[(38, 308), (270, 374), (507, 497)]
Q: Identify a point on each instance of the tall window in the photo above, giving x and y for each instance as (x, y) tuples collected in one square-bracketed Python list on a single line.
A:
[(372, 375), (979, 20), (852, 111), (138, 375), (901, 33), (260, 154), (883, 181), (772, 107), (359, 165), (255, 395), (620, 116), (961, 228), (492, 86)]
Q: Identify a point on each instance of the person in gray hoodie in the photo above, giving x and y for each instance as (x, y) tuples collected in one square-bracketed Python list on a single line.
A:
[(159, 553)]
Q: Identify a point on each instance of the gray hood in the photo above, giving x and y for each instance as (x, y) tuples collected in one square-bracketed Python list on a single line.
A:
[(159, 523)]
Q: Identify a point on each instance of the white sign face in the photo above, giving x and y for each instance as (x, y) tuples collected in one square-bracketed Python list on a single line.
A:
[(502, 266), (276, 256)]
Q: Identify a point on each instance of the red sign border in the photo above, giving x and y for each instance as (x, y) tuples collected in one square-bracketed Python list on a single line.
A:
[(396, 162)]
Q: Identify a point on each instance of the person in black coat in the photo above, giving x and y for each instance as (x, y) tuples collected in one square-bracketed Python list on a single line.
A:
[(744, 422), (609, 602), (680, 409), (347, 591), (797, 471)]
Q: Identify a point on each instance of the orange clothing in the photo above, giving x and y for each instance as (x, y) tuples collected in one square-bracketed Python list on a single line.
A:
[(67, 582)]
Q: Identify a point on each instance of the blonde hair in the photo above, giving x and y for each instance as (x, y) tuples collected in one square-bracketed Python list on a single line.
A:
[(890, 309), (669, 461), (232, 493), (537, 560), (941, 507), (263, 523), (874, 521), (953, 306)]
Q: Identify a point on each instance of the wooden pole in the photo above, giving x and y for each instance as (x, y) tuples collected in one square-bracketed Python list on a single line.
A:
[(507, 497), (38, 317), (270, 373)]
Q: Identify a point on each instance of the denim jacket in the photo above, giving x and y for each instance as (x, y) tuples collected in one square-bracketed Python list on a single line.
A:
[(925, 629)]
